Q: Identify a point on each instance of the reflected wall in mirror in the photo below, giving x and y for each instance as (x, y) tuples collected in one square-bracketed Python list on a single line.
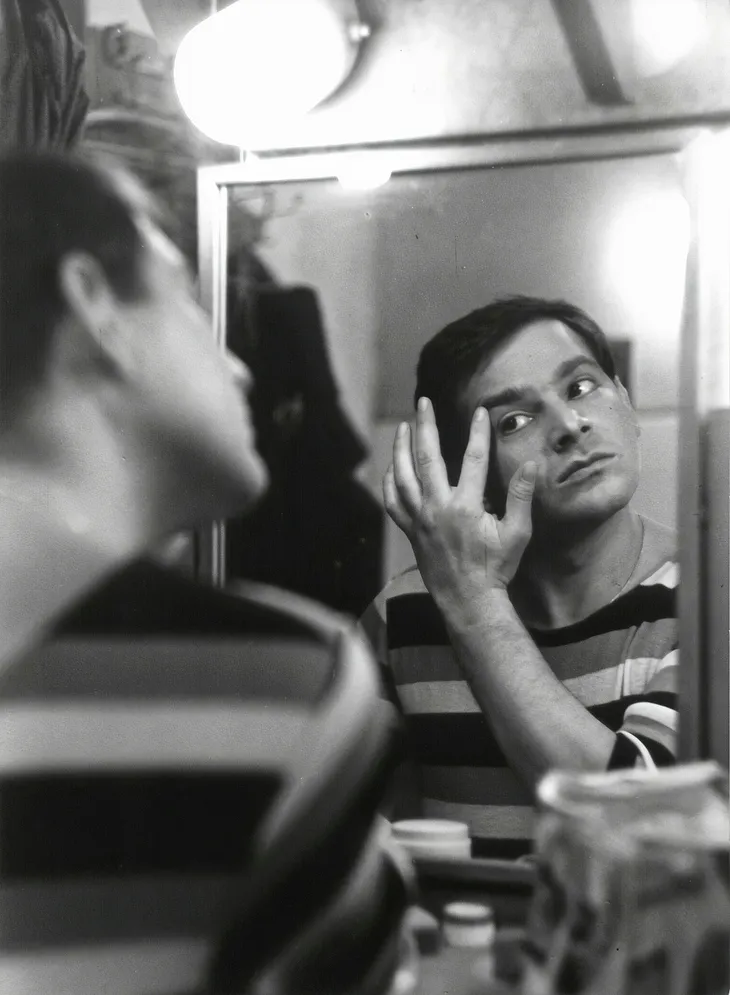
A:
[(394, 265), (599, 219)]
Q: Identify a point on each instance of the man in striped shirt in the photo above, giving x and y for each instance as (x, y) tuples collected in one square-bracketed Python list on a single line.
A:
[(190, 779), (539, 627)]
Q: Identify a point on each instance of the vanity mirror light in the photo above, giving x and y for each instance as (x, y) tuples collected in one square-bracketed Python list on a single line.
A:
[(632, 225)]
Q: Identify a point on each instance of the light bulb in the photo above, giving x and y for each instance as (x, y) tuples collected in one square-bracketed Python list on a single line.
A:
[(647, 247), (363, 174), (243, 74), (664, 32)]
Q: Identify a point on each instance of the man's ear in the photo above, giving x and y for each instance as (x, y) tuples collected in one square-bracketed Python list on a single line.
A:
[(622, 392), (624, 395), (91, 301)]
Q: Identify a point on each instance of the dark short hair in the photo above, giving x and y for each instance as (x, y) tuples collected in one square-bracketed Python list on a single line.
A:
[(52, 205), (452, 357)]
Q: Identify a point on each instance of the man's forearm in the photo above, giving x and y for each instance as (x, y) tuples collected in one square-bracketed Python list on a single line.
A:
[(538, 723)]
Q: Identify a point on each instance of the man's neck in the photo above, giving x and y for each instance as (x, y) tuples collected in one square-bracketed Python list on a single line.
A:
[(48, 561), (561, 582), (99, 482), (69, 515)]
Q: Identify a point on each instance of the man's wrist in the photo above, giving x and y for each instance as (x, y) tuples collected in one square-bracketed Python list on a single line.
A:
[(477, 608)]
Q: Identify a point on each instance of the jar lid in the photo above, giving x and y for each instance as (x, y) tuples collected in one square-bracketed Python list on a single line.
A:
[(468, 913), (468, 924)]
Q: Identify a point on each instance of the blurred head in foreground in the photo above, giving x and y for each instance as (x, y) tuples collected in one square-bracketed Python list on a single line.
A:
[(110, 376)]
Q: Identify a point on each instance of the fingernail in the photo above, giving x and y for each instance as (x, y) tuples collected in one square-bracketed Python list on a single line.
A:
[(480, 414), (402, 429), (529, 472), (423, 404)]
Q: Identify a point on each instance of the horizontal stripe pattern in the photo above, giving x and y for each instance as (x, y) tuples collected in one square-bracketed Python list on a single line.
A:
[(276, 670), (113, 736), (437, 697), (407, 613), (163, 738), (501, 849), (453, 740), (469, 785), (109, 909), (666, 677), (413, 664), (200, 823), (629, 676), (175, 967), (611, 713), (622, 654), (486, 821), (603, 687)]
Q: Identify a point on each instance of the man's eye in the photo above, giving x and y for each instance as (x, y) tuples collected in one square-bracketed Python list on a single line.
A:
[(582, 386), (513, 423)]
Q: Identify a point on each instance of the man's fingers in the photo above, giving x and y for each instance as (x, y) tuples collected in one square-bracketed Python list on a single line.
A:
[(406, 482), (475, 466), (429, 461), (393, 504), (518, 511)]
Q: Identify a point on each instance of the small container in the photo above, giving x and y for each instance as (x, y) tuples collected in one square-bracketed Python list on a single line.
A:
[(468, 924), (435, 839)]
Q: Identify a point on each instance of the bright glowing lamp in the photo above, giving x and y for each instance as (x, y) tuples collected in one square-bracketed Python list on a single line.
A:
[(647, 254), (246, 72), (363, 174), (664, 32)]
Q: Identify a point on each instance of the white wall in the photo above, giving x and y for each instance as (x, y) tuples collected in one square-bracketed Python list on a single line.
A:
[(101, 12), (436, 68), (324, 238)]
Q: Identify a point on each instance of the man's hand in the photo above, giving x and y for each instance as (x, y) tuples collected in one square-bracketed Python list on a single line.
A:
[(461, 549)]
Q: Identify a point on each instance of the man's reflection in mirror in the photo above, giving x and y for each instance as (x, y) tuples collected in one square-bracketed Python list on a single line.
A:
[(318, 531), (539, 628)]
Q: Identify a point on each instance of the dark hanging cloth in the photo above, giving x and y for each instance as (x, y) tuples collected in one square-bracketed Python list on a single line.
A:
[(318, 531), (44, 102)]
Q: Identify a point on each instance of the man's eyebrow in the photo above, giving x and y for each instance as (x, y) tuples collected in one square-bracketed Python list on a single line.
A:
[(510, 395), (570, 365), (517, 394)]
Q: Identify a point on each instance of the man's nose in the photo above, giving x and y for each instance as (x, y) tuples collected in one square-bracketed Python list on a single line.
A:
[(241, 373), (566, 426)]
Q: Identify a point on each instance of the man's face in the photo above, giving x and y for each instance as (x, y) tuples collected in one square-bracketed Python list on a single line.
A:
[(191, 397), (549, 401)]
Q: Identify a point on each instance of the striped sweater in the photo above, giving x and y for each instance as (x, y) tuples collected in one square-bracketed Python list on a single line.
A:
[(188, 782), (623, 654)]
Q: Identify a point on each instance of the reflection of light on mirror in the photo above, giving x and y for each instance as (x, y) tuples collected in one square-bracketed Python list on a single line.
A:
[(708, 159), (647, 255), (246, 72), (664, 32), (363, 174)]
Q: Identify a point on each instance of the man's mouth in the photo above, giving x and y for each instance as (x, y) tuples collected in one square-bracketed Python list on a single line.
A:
[(582, 466)]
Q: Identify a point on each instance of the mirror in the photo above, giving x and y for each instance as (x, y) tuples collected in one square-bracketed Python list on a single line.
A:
[(601, 219)]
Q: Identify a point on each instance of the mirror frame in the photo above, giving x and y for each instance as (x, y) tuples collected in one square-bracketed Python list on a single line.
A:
[(639, 140)]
